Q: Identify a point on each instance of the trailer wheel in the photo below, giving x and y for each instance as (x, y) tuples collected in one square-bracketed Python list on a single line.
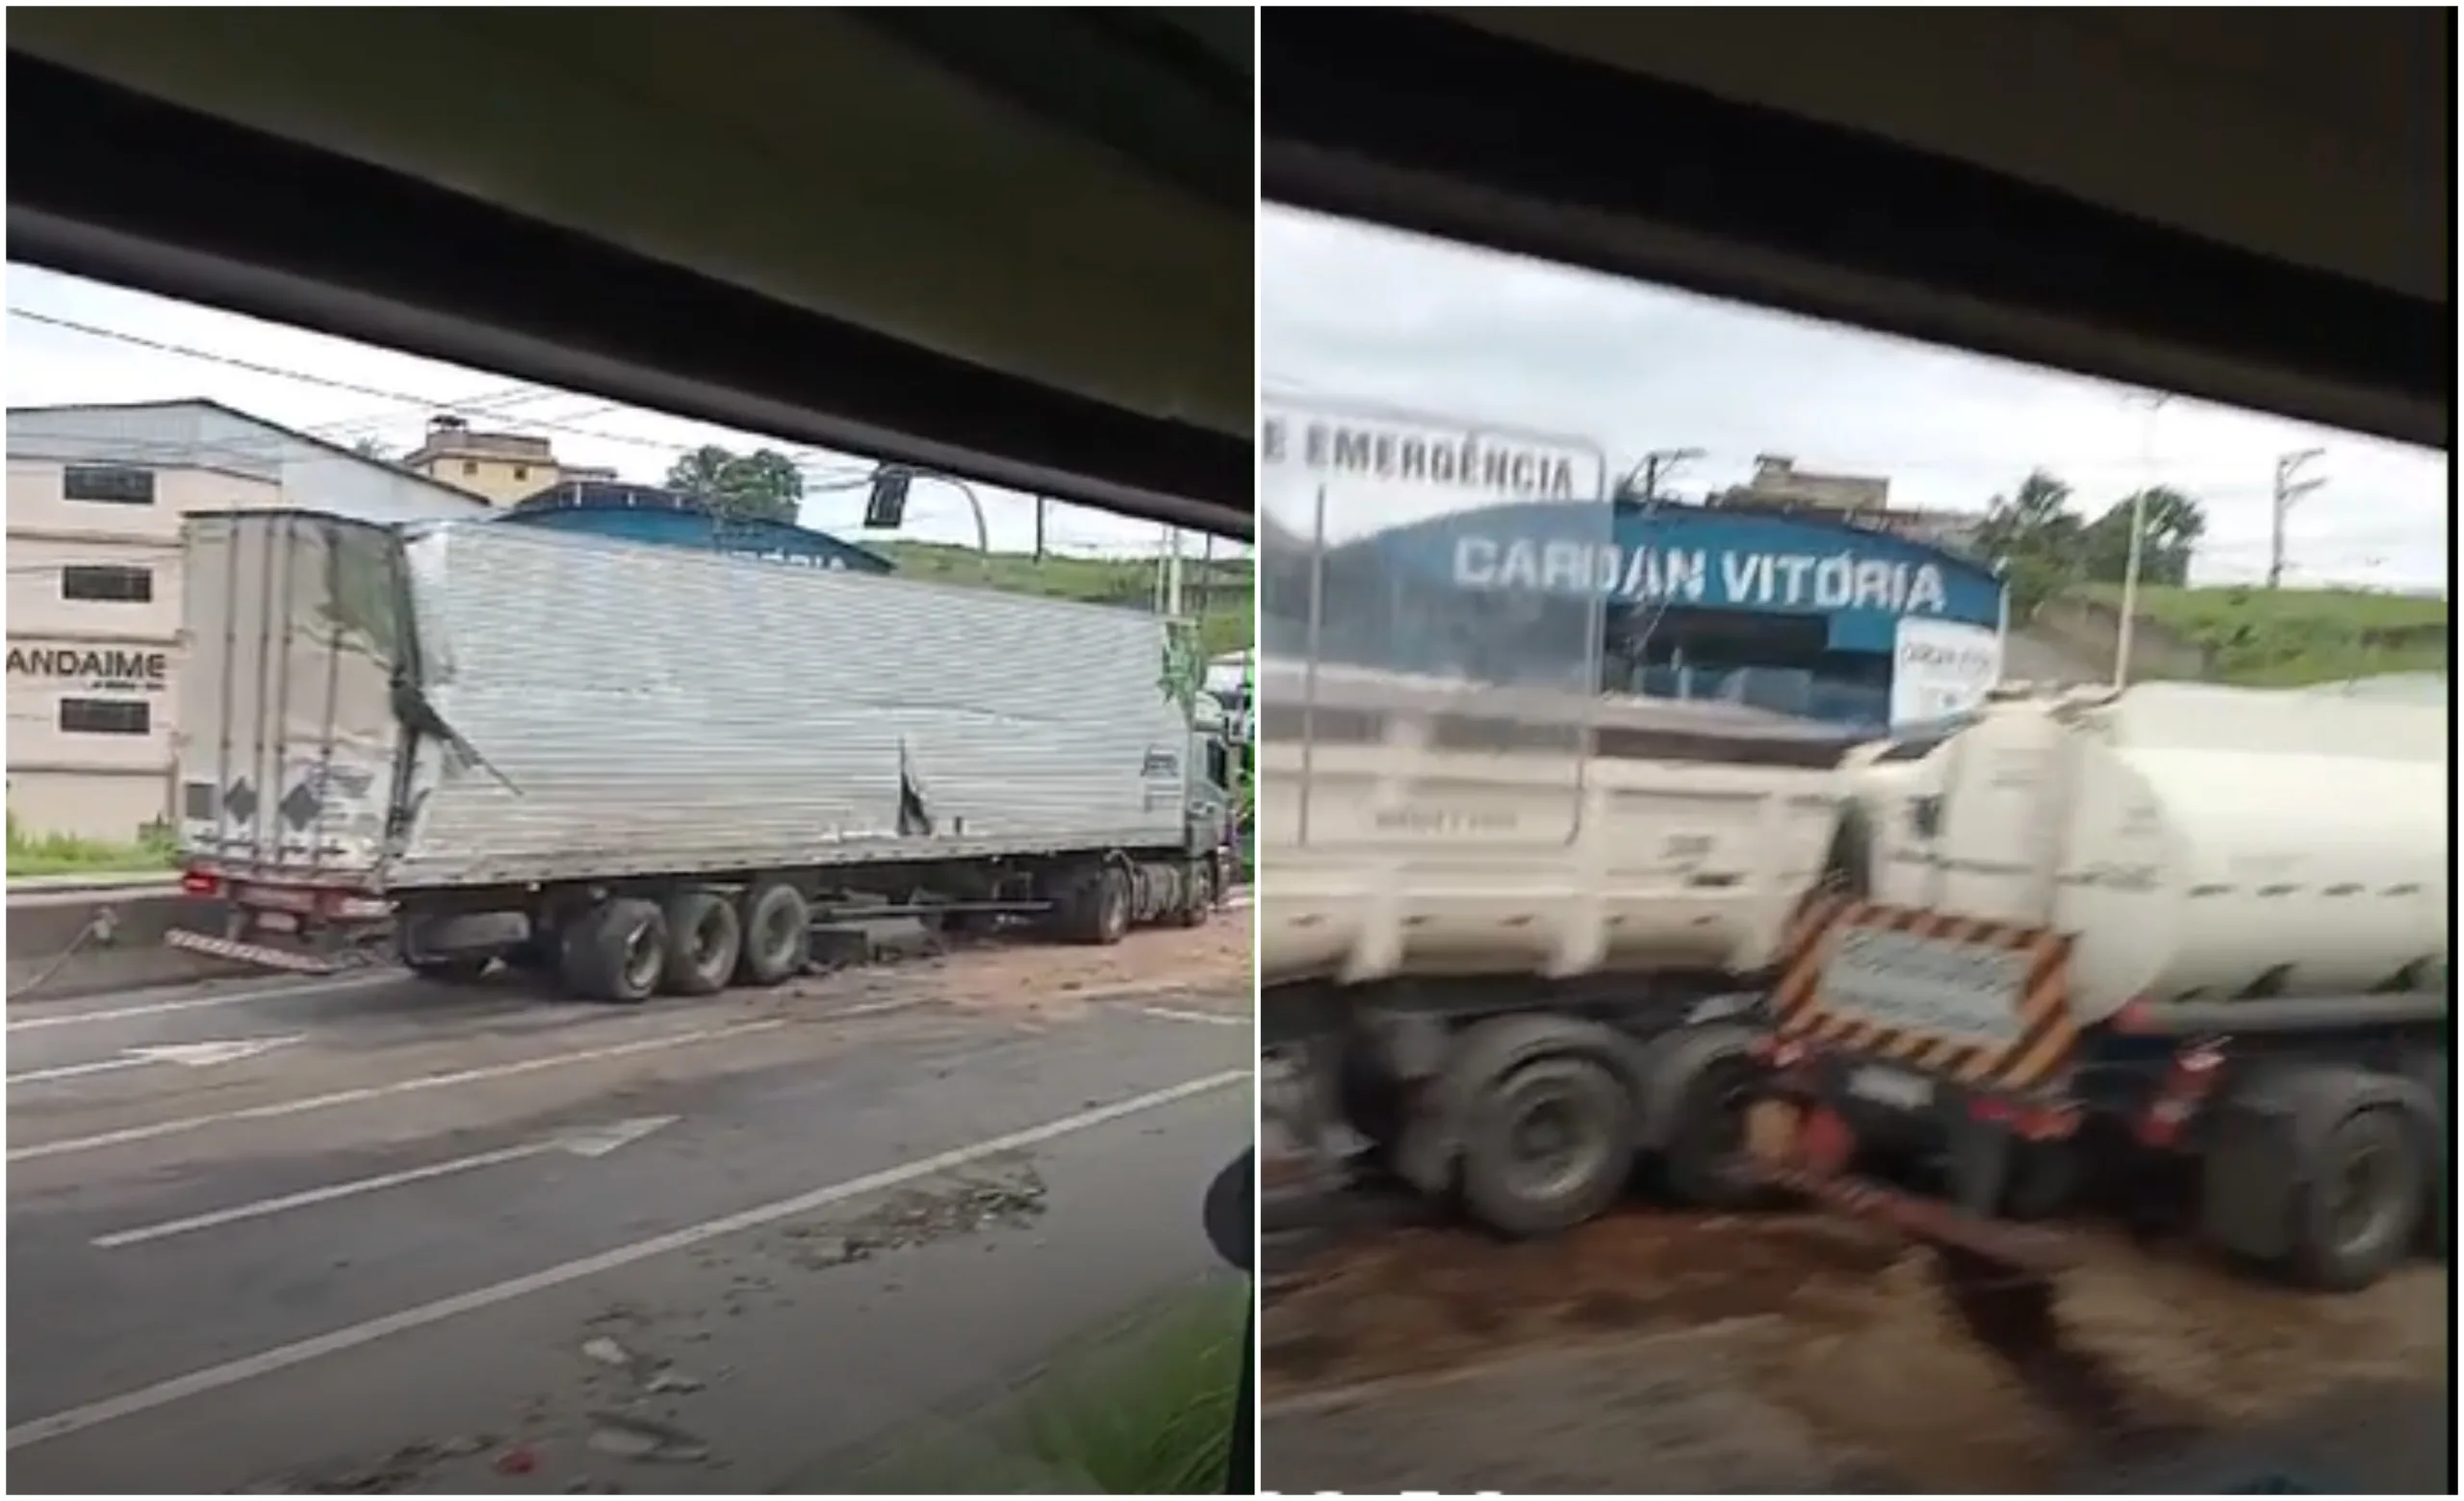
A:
[(617, 951), (1095, 907), (1707, 1134), (1548, 1127), (2358, 1211), (775, 934), (1198, 903), (705, 940)]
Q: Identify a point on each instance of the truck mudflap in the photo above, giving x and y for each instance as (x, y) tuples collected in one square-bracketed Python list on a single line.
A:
[(1804, 1148)]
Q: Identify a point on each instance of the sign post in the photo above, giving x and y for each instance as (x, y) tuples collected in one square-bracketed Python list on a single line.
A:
[(1940, 669)]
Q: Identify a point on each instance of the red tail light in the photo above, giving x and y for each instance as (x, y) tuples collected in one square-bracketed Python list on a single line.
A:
[(200, 883)]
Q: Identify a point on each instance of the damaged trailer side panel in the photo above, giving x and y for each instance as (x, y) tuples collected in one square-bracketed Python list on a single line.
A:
[(590, 710)]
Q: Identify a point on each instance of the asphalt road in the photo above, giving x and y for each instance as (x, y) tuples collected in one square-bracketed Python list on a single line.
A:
[(382, 1234)]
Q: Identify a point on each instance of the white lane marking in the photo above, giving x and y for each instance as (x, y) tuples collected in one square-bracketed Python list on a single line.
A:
[(156, 1008), (596, 1141), (495, 1071), (352, 1096), (1210, 1017), (192, 1056), (266, 1362)]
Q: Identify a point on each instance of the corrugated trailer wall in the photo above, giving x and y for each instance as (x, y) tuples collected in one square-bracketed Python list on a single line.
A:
[(632, 709)]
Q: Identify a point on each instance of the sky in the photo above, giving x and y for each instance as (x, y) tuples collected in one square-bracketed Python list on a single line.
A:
[(1369, 315), (1359, 314), (344, 391)]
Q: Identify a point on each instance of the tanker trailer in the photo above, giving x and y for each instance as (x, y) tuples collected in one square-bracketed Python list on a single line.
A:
[(1492, 911), (2183, 949)]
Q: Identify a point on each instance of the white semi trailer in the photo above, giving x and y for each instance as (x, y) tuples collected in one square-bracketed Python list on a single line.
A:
[(2182, 946), (643, 769)]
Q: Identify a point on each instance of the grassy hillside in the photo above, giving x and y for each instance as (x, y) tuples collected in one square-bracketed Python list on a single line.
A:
[(2289, 637), (1219, 592)]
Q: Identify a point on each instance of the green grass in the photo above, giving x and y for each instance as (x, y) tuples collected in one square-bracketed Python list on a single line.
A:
[(2293, 637), (1146, 1408), (67, 854), (1221, 589)]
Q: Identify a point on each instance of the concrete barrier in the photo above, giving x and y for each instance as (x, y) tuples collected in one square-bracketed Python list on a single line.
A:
[(123, 950)]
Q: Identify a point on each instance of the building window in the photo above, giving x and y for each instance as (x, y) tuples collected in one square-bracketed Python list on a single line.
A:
[(110, 484), (105, 717), (469, 467), (107, 583), (521, 472)]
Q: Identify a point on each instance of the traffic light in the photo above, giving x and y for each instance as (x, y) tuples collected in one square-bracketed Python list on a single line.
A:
[(887, 506)]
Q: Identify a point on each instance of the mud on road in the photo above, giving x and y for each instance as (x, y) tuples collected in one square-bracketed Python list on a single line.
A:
[(1658, 1352)]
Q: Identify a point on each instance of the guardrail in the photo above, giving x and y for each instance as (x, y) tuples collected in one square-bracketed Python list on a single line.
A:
[(84, 935)]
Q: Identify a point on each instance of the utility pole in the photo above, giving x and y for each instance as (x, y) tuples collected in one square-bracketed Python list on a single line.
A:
[(1041, 504), (2288, 490), (1171, 573), (1660, 463), (2126, 630)]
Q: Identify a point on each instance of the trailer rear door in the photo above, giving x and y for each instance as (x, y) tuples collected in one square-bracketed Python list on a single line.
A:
[(288, 742)]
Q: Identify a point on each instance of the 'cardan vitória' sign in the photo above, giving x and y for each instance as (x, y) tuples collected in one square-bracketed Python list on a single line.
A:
[(1733, 578)]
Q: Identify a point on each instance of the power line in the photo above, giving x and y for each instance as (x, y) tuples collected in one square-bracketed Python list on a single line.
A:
[(281, 372)]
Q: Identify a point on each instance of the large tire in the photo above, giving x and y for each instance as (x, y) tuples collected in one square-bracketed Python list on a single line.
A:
[(1095, 907), (777, 933), (1199, 901), (617, 951), (2357, 1213), (1548, 1128), (705, 939), (1706, 1133)]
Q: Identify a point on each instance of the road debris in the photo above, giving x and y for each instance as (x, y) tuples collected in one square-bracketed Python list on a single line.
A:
[(2145, 1355), (607, 1352), (920, 1217), (627, 1436), (521, 1459)]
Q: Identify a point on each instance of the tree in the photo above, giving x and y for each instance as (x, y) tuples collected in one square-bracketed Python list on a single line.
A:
[(2173, 523), (373, 449), (762, 485), (2036, 538)]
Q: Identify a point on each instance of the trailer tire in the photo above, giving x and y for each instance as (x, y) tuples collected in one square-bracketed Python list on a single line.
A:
[(1094, 909), (705, 941), (1199, 899), (1546, 1087), (775, 934), (2358, 1213), (1696, 1079), (617, 951)]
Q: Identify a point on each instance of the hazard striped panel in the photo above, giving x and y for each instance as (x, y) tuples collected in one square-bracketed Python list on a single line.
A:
[(1866, 978), (263, 954)]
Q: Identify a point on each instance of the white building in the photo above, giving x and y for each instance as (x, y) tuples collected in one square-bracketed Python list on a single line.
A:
[(95, 497)]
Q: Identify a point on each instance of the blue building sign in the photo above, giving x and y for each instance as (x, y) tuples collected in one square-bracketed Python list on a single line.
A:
[(1861, 582), (645, 513)]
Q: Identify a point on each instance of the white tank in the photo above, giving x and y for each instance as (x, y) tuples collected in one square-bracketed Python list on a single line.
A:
[(1413, 827), (2199, 842)]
